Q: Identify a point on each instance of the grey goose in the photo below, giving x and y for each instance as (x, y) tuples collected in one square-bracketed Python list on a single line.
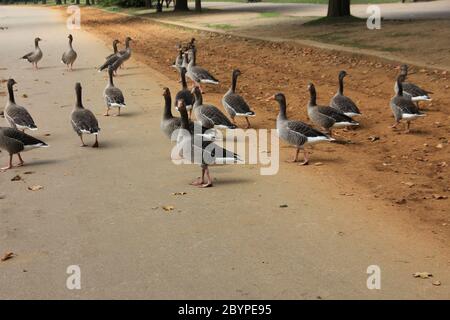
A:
[(403, 107), (119, 58), (15, 141), (185, 93), (113, 96), (169, 124), (234, 103), (17, 116), (342, 102), (114, 44), (325, 116), (296, 133), (208, 115), (411, 90), (198, 74), (198, 151), (69, 57), (178, 63), (83, 120), (34, 56)]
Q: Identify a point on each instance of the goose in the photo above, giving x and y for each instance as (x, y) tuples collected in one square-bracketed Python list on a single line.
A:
[(178, 63), (119, 58), (17, 116), (83, 120), (411, 90), (325, 116), (343, 103), (185, 93), (191, 49), (296, 133), (209, 115), (115, 43), (169, 123), (69, 57), (113, 96), (403, 107), (15, 141), (34, 56), (198, 74), (234, 104), (204, 153)]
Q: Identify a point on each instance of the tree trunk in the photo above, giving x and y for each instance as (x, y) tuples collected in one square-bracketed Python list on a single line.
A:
[(159, 5), (181, 5), (58, 2), (198, 5), (77, 2), (338, 8), (148, 4), (88, 3)]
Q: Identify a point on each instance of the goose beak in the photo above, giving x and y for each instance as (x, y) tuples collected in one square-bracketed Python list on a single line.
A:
[(270, 98)]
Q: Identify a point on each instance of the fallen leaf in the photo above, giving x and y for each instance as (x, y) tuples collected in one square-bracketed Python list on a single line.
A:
[(16, 178), (439, 146), (436, 283), (168, 208), (318, 164), (182, 193), (283, 205), (400, 201), (35, 188), (373, 138), (24, 95), (439, 197), (28, 172), (7, 256), (422, 275), (409, 184)]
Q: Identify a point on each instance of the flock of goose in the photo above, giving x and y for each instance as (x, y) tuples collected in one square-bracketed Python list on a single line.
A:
[(340, 112)]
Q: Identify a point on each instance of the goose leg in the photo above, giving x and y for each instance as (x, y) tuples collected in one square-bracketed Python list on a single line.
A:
[(10, 164), (395, 125), (95, 145), (21, 162), (296, 156), (107, 112), (82, 142), (190, 114), (200, 180), (118, 112), (248, 123), (407, 126), (209, 182), (305, 157)]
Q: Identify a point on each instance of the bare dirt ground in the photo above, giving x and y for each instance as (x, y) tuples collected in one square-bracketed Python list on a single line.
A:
[(407, 170)]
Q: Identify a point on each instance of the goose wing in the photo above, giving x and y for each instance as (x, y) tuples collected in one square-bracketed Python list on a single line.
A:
[(405, 105), (85, 121), (344, 104), (237, 103), (15, 141), (334, 114), (114, 95), (20, 116), (202, 74), (216, 116), (413, 90)]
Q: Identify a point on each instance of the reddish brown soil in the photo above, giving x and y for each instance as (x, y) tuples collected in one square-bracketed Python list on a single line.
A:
[(408, 170)]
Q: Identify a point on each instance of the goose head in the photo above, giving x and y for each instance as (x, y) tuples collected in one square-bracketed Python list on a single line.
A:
[(11, 82), (236, 72), (342, 74), (166, 92), (70, 37)]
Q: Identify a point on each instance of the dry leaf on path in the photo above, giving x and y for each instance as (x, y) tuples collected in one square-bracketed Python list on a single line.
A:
[(35, 188), (182, 193), (7, 256), (436, 283), (168, 208), (422, 275), (16, 178)]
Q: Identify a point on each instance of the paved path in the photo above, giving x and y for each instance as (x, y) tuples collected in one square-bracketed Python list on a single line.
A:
[(232, 241)]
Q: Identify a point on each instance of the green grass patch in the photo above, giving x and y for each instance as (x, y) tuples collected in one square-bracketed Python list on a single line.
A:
[(221, 26), (269, 14)]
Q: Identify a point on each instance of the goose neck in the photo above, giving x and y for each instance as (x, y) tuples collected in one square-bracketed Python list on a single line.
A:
[(167, 107), (341, 85), (11, 93)]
